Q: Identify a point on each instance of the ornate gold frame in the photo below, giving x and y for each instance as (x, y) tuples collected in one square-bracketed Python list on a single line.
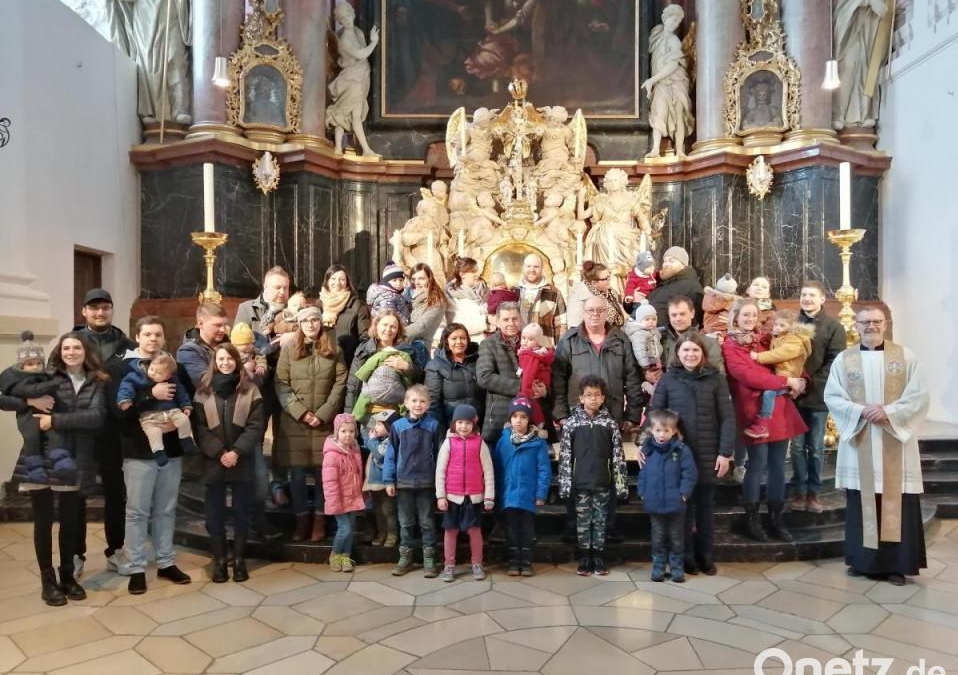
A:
[(763, 50), (261, 46)]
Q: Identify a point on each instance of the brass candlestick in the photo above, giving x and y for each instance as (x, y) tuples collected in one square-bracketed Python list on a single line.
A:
[(847, 294), (210, 241)]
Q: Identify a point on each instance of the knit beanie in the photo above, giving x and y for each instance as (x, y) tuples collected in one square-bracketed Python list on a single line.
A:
[(678, 253), (340, 420), (387, 417), (644, 311), (466, 412), (644, 262), (241, 334), (520, 404), (392, 271), (28, 349), (727, 284), (311, 312)]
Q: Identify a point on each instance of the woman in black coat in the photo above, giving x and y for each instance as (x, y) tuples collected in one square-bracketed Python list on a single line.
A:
[(699, 394), (78, 414), (451, 376)]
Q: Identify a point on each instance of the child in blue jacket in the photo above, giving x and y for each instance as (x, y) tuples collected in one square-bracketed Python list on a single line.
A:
[(523, 474), (665, 483)]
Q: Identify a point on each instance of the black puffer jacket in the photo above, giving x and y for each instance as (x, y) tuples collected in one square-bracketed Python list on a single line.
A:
[(451, 383), (686, 283), (707, 420), (496, 373), (827, 343), (109, 345)]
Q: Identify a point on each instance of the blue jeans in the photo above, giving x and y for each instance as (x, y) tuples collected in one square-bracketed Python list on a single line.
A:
[(768, 402), (345, 526), (760, 456), (416, 504), (300, 493), (215, 506), (808, 453), (151, 495)]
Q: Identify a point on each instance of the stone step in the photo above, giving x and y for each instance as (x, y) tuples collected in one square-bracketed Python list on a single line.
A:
[(943, 460)]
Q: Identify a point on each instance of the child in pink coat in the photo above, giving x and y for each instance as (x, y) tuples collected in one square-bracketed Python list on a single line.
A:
[(535, 365), (343, 487)]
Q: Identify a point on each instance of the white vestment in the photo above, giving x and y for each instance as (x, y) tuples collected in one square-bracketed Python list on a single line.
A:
[(904, 416)]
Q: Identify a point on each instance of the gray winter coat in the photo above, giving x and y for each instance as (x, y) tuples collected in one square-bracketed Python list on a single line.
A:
[(496, 372)]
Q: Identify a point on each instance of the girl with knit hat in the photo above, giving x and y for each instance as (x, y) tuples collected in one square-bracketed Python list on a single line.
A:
[(343, 487)]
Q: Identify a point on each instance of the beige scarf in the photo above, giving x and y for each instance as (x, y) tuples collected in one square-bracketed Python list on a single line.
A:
[(894, 358), (333, 304), (244, 401)]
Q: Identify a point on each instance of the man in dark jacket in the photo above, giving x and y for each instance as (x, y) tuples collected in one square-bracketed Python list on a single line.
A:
[(195, 355), (677, 278), (110, 344), (809, 448), (152, 490), (259, 312), (681, 317)]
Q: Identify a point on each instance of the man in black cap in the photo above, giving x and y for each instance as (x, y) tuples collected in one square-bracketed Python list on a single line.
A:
[(111, 345)]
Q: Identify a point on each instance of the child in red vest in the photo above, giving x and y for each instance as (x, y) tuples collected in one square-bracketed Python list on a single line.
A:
[(464, 481), (535, 364), (641, 281)]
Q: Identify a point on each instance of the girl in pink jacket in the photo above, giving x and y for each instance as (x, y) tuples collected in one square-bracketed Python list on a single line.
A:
[(343, 487), (464, 481)]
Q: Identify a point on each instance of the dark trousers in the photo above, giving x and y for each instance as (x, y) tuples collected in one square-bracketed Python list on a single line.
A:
[(700, 522), (110, 463), (43, 518), (668, 533), (215, 506), (520, 527), (415, 504)]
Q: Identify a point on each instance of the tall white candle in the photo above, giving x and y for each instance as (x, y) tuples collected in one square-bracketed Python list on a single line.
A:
[(208, 213), (845, 196)]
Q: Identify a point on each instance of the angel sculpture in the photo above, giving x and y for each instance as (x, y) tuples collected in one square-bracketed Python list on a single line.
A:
[(558, 219), (621, 224), (482, 226), (562, 149), (469, 149), (438, 193), (413, 240)]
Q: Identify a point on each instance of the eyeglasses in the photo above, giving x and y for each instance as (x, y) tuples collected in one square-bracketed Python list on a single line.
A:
[(872, 322), (595, 310), (311, 320)]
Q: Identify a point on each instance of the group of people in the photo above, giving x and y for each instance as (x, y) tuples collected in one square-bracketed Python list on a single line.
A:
[(389, 419)]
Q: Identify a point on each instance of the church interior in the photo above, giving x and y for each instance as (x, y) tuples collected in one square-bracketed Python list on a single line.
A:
[(174, 151)]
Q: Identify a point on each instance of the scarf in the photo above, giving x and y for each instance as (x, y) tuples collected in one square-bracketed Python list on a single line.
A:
[(477, 293), (512, 342), (333, 304), (764, 304), (616, 314), (742, 337), (224, 385), (420, 303), (519, 439)]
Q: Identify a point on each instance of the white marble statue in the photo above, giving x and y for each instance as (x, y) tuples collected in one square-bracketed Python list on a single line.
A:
[(561, 151), (670, 108), (422, 239), (438, 193), (483, 224), (856, 30), (350, 89), (139, 28)]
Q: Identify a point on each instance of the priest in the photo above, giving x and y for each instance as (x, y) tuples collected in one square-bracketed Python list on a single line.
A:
[(876, 396)]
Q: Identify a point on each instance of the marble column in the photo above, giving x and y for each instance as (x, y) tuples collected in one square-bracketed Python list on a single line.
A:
[(216, 32), (305, 27), (808, 27), (719, 30)]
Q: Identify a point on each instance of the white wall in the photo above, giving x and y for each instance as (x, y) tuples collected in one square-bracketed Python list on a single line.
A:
[(919, 129)]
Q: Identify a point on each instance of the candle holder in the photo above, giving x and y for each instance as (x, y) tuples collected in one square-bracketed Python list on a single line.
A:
[(210, 241), (847, 294)]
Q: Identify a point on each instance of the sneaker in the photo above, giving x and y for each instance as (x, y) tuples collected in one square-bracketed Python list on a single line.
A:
[(599, 567), (347, 562), (585, 566), (812, 505), (78, 561), (174, 574), (756, 430), (115, 563), (738, 474), (335, 562), (797, 503), (478, 574), (448, 573), (137, 584)]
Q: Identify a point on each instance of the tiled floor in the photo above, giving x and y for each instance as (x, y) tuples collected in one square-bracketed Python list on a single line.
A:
[(295, 618)]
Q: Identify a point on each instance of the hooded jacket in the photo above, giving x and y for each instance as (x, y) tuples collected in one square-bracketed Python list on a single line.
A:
[(590, 453), (410, 460), (715, 306), (523, 472), (668, 477), (342, 479), (789, 351), (136, 382)]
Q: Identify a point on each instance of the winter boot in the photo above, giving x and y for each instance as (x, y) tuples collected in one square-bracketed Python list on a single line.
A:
[(405, 561), (429, 568), (51, 592), (304, 525), (392, 523), (381, 529), (753, 523), (677, 567), (240, 574), (319, 528), (707, 565), (221, 572), (69, 585), (691, 567), (658, 567), (776, 528), (514, 568), (525, 562)]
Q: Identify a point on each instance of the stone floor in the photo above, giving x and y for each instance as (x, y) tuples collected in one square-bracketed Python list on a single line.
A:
[(293, 618)]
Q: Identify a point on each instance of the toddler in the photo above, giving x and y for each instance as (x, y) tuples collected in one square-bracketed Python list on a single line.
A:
[(523, 470), (641, 281), (790, 347), (253, 361), (715, 305), (284, 322), (158, 417), (535, 364), (409, 474), (382, 385), (388, 293), (646, 344), (464, 481), (499, 293), (665, 483), (343, 487), (384, 506), (592, 466)]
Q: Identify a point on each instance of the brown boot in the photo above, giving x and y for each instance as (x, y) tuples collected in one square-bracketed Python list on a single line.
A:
[(304, 523), (812, 505), (797, 503), (319, 528)]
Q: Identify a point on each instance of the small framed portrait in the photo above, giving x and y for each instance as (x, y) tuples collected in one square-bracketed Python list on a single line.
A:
[(761, 101), (265, 96)]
